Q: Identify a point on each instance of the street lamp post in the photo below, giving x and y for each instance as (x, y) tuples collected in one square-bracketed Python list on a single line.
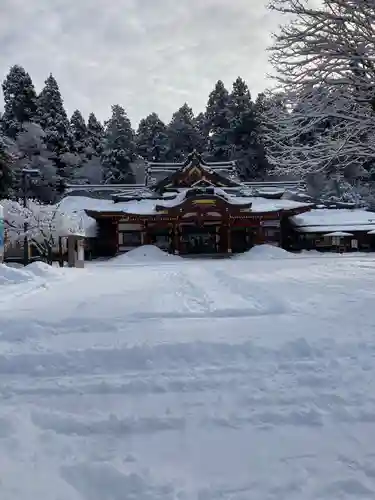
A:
[(27, 174)]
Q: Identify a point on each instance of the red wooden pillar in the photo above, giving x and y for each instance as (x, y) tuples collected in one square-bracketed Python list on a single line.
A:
[(115, 237), (145, 236), (178, 237), (229, 236), (259, 234)]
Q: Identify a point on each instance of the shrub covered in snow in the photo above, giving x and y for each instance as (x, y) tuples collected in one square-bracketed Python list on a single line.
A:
[(43, 225)]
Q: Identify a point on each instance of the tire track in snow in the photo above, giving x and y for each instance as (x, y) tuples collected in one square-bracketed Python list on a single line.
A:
[(211, 293), (223, 295), (259, 298), (194, 297)]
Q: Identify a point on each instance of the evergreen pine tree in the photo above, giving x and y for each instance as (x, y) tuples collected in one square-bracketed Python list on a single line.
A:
[(31, 152), (119, 148), (6, 172), (200, 124), (183, 134), (247, 149), (218, 120), (152, 139), (95, 136), (19, 101), (53, 119), (78, 152), (92, 169), (79, 133)]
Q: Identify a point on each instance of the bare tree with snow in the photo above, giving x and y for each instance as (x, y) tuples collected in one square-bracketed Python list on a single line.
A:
[(324, 58), (45, 224)]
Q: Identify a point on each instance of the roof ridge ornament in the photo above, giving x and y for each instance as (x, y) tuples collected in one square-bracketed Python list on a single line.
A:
[(194, 158)]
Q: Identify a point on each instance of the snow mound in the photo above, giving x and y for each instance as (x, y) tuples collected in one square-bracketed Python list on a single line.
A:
[(42, 269), (145, 253), (11, 275), (265, 252), (15, 265)]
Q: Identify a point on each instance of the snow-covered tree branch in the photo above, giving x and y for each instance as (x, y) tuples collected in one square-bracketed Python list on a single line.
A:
[(325, 67), (42, 224)]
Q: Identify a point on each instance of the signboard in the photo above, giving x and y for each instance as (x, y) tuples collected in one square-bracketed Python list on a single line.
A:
[(271, 223), (147, 218), (246, 217), (1, 234), (204, 202)]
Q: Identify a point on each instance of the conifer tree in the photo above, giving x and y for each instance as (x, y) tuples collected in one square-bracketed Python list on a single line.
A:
[(218, 120), (19, 101), (95, 136), (152, 139), (53, 119), (79, 132), (247, 149), (91, 171), (200, 124), (183, 134), (119, 148), (78, 148), (31, 152), (6, 172)]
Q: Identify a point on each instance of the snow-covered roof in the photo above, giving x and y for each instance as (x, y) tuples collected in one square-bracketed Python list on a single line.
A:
[(78, 205), (339, 233), (182, 195), (266, 205), (158, 172), (74, 207), (331, 220), (148, 206)]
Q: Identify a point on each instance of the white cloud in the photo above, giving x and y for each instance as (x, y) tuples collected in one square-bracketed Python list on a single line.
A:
[(148, 55)]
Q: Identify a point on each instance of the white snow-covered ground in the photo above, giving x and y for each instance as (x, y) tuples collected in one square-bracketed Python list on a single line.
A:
[(170, 379)]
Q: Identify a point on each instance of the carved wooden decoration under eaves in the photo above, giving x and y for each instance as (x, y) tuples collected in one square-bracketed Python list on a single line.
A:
[(189, 177), (192, 174)]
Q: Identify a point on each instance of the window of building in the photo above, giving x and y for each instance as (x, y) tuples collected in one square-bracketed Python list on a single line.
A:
[(272, 232), (129, 238), (160, 238)]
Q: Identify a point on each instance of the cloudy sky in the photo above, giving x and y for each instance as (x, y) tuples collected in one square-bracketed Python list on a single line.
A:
[(147, 55)]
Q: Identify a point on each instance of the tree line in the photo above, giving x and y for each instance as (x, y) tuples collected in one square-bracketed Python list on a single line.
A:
[(317, 122), (36, 132)]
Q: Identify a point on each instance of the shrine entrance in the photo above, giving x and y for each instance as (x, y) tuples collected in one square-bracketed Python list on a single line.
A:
[(242, 239), (199, 239)]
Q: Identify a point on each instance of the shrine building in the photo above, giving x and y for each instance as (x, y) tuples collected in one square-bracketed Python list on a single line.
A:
[(192, 208)]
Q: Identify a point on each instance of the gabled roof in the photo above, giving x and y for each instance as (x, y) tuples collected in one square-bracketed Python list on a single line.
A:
[(154, 207), (163, 175), (331, 220)]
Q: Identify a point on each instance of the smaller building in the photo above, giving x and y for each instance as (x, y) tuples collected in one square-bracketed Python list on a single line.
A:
[(334, 229)]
